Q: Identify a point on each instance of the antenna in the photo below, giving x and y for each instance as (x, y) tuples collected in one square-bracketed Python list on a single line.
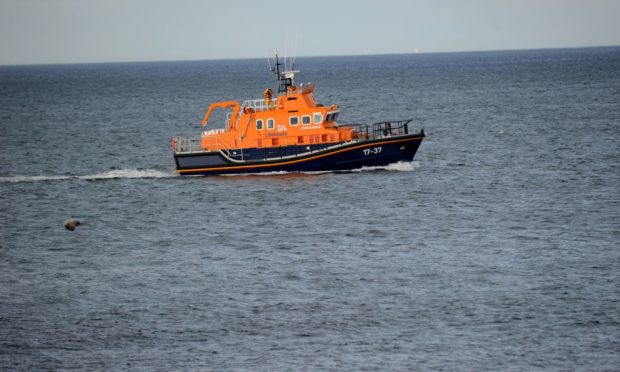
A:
[(285, 51), (294, 50), (268, 62)]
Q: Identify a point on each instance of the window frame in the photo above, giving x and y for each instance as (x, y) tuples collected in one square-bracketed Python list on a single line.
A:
[(262, 124), (273, 124), (332, 116), (314, 116), (309, 120), (290, 118)]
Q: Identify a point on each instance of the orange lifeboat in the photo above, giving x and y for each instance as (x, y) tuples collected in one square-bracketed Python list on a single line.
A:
[(290, 132)]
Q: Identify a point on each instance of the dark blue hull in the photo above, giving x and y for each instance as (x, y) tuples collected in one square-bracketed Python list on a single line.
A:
[(337, 157)]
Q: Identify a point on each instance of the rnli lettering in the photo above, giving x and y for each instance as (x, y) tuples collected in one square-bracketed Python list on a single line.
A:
[(278, 134)]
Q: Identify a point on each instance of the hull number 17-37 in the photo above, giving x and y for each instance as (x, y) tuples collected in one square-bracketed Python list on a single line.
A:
[(373, 151)]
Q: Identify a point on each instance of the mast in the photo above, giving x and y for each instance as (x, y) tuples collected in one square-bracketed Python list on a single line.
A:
[(278, 72), (285, 78)]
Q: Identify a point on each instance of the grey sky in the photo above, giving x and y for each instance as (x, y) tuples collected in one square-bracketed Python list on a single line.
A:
[(60, 31)]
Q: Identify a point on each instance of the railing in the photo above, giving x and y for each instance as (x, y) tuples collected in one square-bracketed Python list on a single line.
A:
[(258, 105), (380, 130), (184, 144), (188, 145)]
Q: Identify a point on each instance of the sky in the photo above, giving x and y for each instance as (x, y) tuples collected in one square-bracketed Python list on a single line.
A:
[(83, 31)]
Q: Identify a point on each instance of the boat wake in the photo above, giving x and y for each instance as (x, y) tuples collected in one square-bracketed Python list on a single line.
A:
[(111, 174), (154, 173), (274, 174), (401, 166)]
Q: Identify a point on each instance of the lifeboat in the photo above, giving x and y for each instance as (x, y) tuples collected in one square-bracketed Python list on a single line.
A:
[(290, 132)]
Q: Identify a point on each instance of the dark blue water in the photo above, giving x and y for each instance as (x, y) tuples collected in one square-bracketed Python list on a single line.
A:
[(497, 249)]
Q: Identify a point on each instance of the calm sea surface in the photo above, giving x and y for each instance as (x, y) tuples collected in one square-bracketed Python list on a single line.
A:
[(498, 248)]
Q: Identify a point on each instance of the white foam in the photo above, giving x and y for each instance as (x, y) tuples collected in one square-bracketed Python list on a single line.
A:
[(129, 173), (395, 167), (274, 173), (153, 173), (400, 166), (112, 174), (33, 178)]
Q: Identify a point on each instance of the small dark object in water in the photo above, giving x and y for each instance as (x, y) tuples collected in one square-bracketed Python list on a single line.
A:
[(72, 224)]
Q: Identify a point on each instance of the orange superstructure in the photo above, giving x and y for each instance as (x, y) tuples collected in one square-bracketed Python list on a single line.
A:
[(292, 118)]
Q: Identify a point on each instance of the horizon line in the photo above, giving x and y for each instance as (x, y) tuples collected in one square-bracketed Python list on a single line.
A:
[(363, 54)]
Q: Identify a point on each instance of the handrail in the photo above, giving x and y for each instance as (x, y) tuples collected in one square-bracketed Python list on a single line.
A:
[(258, 105), (195, 144), (380, 129)]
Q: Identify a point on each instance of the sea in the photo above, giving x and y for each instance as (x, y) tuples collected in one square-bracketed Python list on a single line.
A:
[(497, 248)]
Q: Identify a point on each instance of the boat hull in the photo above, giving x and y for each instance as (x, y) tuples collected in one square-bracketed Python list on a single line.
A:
[(341, 157)]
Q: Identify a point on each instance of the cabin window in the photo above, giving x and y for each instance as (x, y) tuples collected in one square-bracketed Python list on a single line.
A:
[(333, 116), (293, 120), (305, 120), (318, 118), (259, 124), (270, 123)]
